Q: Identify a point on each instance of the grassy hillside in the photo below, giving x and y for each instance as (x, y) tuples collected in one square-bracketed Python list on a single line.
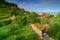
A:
[(15, 32), (19, 29)]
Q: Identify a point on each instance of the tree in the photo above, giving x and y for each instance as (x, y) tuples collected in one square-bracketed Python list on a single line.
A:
[(54, 30), (32, 18), (14, 13), (12, 4), (2, 0)]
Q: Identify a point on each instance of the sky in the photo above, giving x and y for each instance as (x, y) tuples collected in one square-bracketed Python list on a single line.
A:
[(38, 5)]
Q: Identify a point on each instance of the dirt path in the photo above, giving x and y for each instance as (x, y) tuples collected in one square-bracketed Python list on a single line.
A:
[(38, 32)]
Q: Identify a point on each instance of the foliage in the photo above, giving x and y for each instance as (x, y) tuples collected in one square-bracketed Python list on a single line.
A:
[(6, 30), (14, 32), (14, 13), (32, 17), (20, 29), (58, 35), (26, 34), (21, 20), (55, 28)]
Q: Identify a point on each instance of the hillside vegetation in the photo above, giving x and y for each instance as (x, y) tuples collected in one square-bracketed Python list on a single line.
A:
[(19, 29)]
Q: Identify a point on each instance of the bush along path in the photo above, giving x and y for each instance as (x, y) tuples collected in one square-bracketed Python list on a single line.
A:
[(38, 32)]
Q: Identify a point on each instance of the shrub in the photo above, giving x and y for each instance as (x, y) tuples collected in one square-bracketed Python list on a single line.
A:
[(7, 30)]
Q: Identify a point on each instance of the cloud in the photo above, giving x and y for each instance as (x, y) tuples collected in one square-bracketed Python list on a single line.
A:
[(38, 5)]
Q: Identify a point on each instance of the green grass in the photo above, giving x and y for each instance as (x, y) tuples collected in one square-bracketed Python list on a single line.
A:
[(27, 33), (4, 19), (15, 32)]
